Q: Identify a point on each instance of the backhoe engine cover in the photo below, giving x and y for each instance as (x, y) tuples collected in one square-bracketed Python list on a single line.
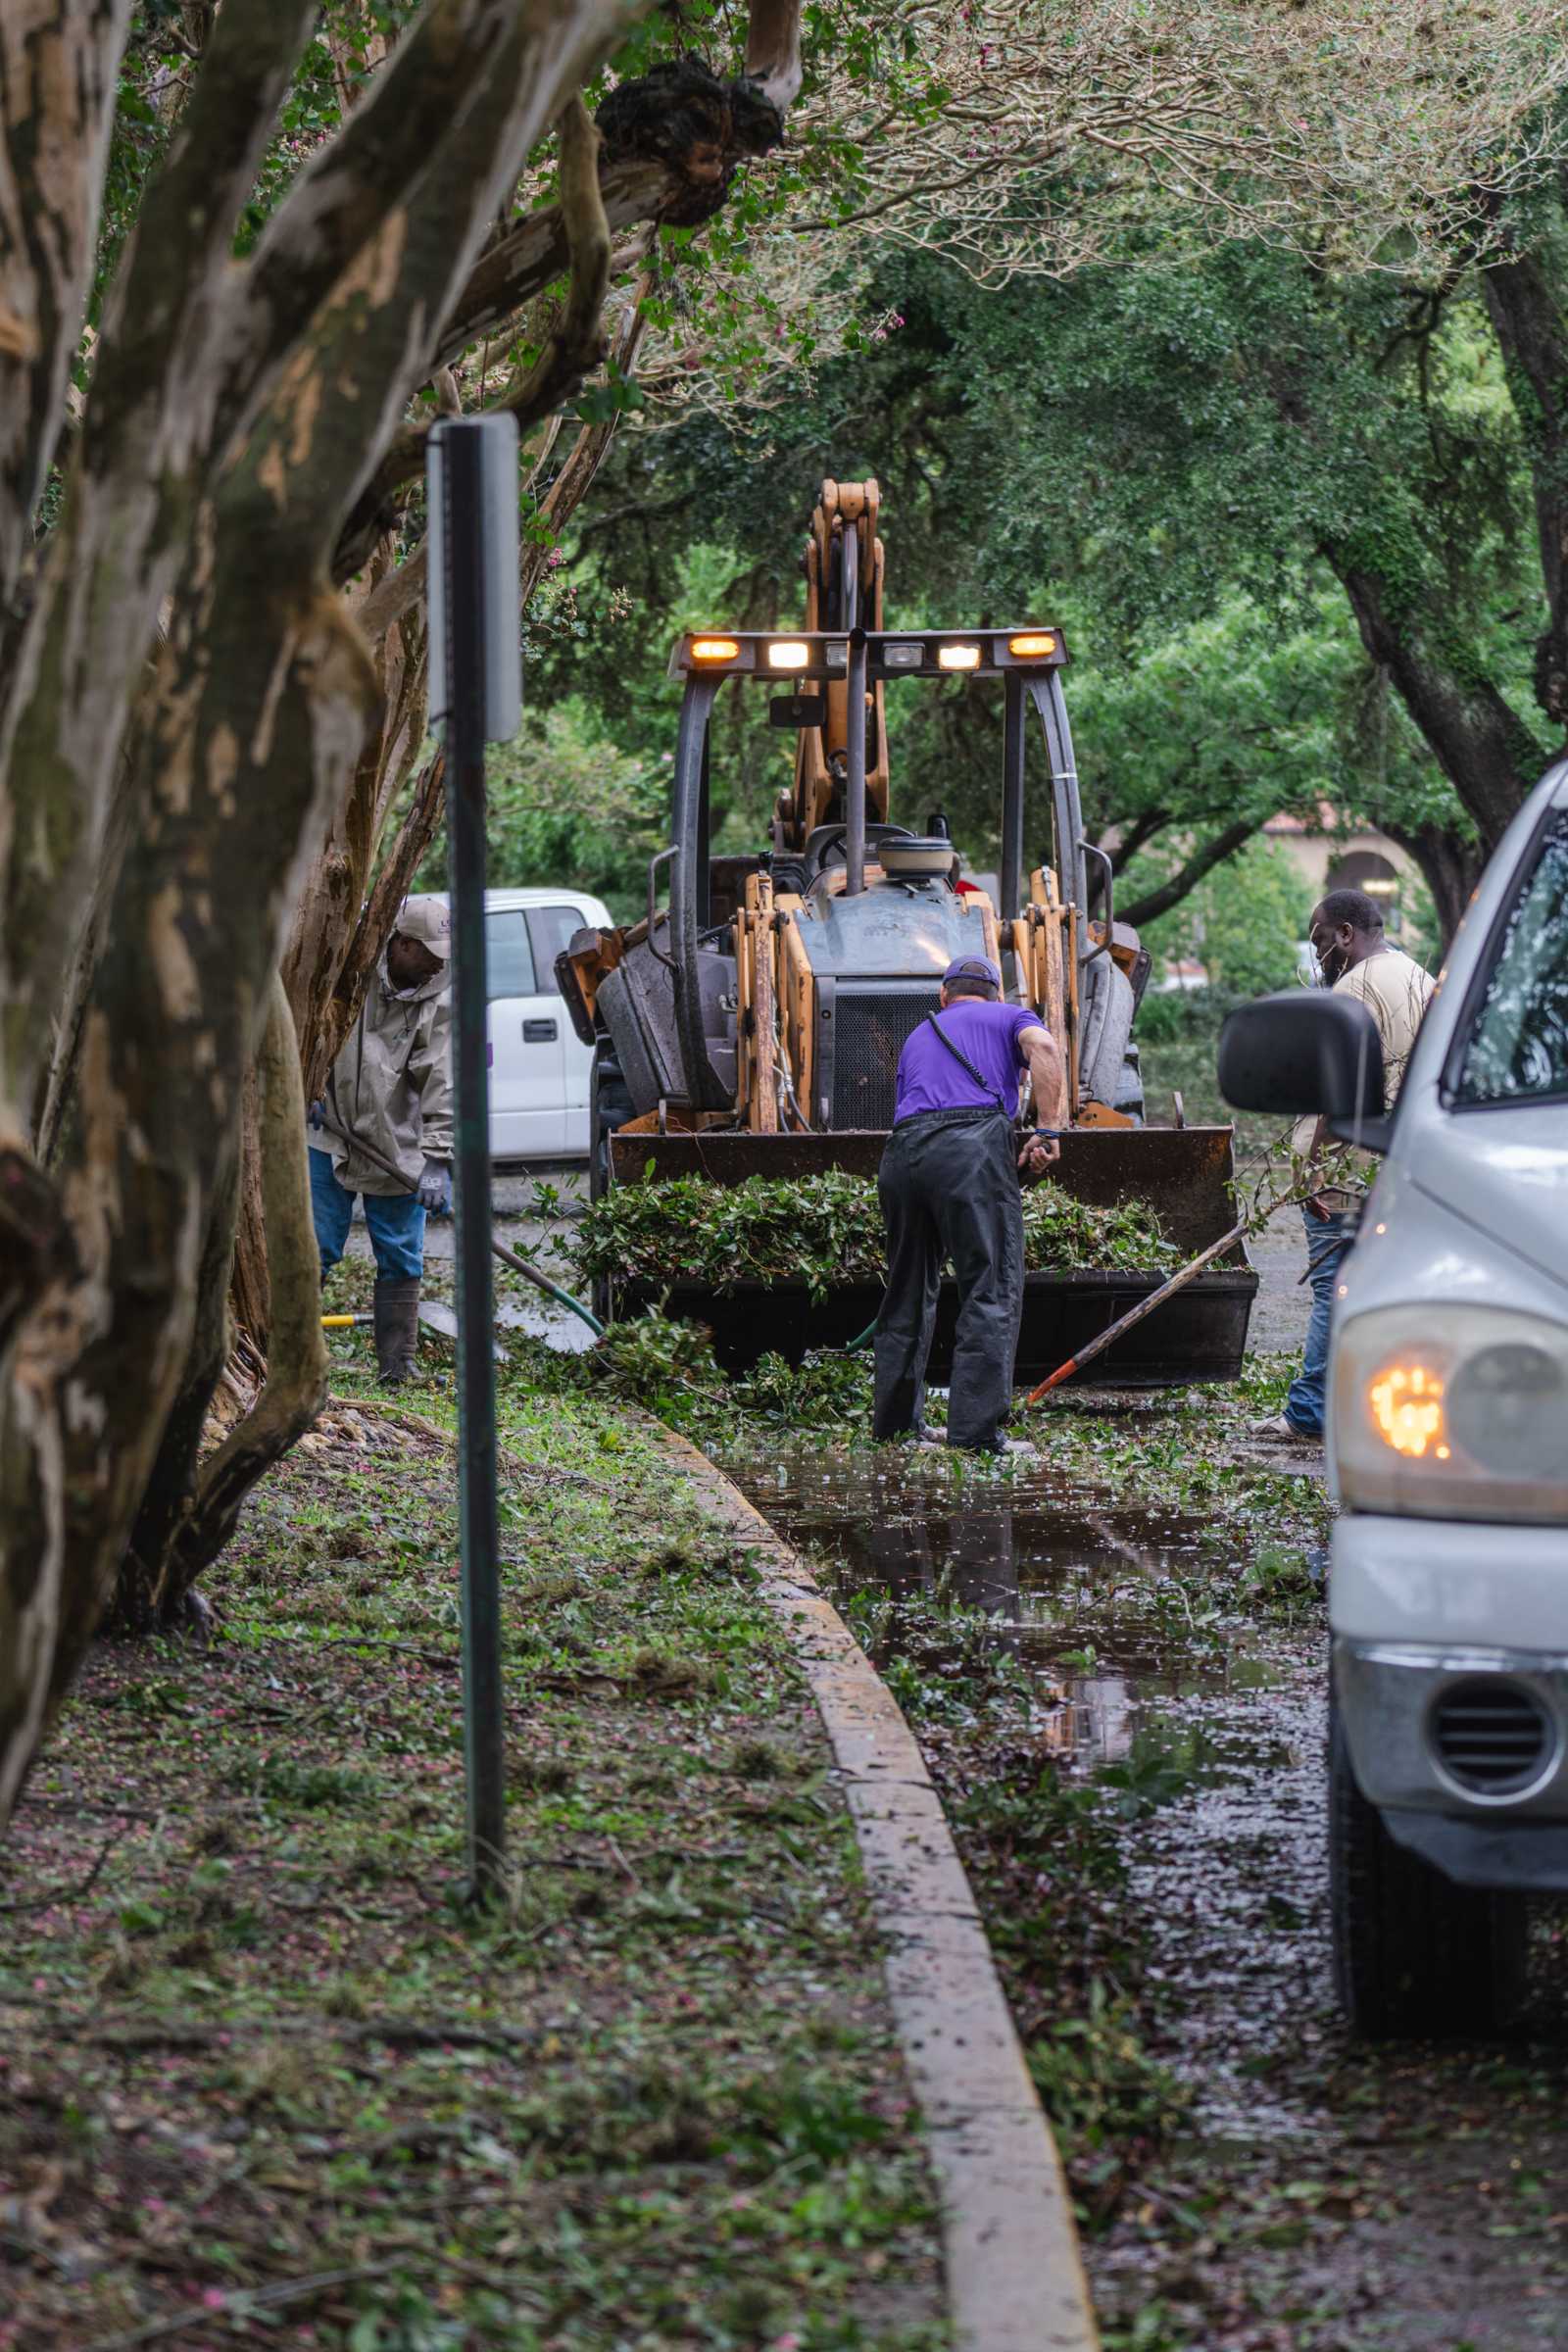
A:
[(877, 961)]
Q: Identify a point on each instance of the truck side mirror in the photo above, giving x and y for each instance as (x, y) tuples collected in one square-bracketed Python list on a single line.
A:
[(1307, 1050)]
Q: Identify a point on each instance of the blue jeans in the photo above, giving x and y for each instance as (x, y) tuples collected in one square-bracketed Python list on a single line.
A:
[(1328, 1241), (396, 1223)]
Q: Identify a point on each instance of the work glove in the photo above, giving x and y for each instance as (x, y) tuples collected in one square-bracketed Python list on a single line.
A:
[(435, 1187)]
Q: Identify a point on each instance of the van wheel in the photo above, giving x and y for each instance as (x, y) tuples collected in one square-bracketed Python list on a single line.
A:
[(1414, 1955)]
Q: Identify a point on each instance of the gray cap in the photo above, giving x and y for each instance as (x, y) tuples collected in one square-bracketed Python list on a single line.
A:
[(427, 919), (972, 967)]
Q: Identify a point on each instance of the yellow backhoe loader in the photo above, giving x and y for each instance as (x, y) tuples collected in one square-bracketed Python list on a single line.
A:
[(752, 1027)]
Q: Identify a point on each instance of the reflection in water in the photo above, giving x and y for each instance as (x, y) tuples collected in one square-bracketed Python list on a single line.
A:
[(1205, 1734), (1092, 1595)]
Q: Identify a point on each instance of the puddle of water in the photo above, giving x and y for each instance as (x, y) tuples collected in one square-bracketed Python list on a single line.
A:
[(1216, 1727), (540, 1318), (1092, 1595)]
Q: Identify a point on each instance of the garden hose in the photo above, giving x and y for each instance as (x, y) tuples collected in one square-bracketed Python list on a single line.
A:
[(550, 1289), (508, 1258)]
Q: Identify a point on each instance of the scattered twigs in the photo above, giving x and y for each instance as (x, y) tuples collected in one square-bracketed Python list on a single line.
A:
[(239, 2302), (51, 1895)]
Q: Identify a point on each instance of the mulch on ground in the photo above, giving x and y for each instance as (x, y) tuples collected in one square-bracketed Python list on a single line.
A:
[(265, 2077)]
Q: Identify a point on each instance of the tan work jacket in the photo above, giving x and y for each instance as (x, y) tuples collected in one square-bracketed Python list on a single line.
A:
[(392, 1084)]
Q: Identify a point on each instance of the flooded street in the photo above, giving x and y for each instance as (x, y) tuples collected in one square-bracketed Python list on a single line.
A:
[(1311, 2194)]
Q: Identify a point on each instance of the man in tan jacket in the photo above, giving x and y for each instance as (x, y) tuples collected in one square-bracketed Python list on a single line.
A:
[(391, 1090), (1356, 961)]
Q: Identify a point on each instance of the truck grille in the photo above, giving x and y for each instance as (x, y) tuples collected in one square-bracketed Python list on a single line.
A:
[(1491, 1736), (872, 1026)]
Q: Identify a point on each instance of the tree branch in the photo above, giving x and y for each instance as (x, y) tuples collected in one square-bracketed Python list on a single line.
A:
[(573, 345), (1482, 745), (176, 274), (388, 602), (56, 71), (576, 342), (1186, 877), (673, 140), (773, 51), (417, 106), (373, 927), (1532, 331), (297, 1360), (1138, 835)]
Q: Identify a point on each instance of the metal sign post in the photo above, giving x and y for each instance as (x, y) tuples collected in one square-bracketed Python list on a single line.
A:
[(475, 669)]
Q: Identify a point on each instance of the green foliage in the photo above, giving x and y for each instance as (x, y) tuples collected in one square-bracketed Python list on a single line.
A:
[(668, 1366), (1244, 921), (820, 1231), (568, 807), (1157, 456)]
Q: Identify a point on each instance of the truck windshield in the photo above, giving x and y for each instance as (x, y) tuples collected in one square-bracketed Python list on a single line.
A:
[(1518, 1046)]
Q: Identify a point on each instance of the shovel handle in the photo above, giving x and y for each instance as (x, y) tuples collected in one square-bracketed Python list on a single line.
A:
[(508, 1258), (1145, 1306)]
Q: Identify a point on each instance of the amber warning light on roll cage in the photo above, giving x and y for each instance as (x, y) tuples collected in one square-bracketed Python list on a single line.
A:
[(891, 654)]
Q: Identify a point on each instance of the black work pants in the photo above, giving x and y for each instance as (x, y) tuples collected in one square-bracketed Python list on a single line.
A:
[(948, 1185)]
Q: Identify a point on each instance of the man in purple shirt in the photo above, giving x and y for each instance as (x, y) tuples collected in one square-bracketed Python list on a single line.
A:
[(948, 1185)]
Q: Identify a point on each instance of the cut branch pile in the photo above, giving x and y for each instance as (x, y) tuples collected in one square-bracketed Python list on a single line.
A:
[(822, 1231)]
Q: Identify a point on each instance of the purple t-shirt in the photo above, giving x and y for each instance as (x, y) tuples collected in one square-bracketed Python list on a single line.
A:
[(987, 1033)]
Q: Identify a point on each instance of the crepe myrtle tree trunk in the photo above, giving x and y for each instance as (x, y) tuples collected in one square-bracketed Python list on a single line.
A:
[(58, 61), (297, 1366), (264, 692), (664, 146), (98, 1368)]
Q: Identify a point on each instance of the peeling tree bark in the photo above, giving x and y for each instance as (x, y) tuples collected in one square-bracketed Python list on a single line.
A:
[(236, 413), (297, 1364), (265, 695), (139, 466), (58, 64)]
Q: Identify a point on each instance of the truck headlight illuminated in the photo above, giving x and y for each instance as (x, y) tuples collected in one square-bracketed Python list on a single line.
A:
[(788, 653), (1407, 1402), (1452, 1412)]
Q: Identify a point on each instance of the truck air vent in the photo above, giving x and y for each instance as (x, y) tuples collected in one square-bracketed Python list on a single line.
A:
[(1491, 1736)]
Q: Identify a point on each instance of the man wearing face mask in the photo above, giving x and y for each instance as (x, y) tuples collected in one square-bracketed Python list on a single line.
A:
[(1355, 959)]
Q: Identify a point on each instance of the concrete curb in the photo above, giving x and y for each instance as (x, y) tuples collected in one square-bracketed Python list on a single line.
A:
[(1014, 2274)]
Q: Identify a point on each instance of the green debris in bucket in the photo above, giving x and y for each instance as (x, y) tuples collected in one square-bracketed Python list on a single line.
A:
[(824, 1230)]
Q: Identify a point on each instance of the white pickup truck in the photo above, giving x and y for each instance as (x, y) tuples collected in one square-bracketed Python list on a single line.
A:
[(1448, 1441), (540, 1070)]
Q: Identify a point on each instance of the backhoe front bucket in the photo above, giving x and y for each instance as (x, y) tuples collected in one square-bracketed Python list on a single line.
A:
[(1183, 1173)]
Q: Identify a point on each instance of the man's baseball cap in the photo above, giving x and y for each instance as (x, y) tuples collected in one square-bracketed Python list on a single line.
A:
[(972, 967), (428, 920)]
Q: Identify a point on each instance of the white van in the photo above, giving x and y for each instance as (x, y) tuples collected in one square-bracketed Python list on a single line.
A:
[(1448, 1435), (539, 1067)]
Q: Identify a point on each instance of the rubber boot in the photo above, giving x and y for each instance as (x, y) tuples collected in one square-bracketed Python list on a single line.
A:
[(397, 1329)]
